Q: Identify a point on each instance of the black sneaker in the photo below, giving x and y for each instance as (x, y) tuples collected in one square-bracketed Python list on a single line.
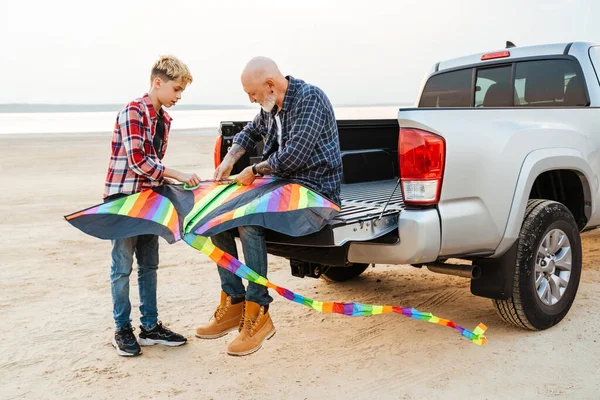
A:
[(160, 335), (125, 343)]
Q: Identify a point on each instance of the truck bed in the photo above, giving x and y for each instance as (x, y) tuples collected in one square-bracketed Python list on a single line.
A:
[(369, 150), (365, 215)]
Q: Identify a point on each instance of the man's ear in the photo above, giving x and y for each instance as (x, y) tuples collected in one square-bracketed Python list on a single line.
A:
[(270, 83), (156, 82)]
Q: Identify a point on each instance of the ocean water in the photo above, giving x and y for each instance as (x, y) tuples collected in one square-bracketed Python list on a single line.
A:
[(203, 120)]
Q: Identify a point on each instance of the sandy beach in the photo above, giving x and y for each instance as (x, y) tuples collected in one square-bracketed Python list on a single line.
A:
[(57, 321)]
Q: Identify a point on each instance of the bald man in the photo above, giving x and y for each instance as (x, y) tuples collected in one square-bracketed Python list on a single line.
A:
[(298, 126)]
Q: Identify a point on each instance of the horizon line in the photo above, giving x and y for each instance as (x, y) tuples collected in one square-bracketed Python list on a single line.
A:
[(186, 105)]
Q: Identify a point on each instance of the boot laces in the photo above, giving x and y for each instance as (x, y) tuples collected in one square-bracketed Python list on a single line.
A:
[(251, 324), (221, 310), (242, 320)]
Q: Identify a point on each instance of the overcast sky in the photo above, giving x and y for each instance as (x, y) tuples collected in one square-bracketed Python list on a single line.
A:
[(359, 52)]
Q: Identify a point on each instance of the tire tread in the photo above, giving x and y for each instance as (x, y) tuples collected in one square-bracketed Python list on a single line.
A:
[(512, 310)]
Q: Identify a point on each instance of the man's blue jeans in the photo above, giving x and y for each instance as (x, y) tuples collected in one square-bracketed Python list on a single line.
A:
[(255, 257), (145, 248)]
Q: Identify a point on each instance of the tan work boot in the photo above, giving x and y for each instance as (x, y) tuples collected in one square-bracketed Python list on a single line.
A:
[(256, 327), (227, 317)]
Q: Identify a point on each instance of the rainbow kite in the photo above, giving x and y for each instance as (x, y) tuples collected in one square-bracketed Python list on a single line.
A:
[(173, 211)]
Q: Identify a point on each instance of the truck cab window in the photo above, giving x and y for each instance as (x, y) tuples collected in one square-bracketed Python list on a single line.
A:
[(493, 87), (549, 83), (449, 89)]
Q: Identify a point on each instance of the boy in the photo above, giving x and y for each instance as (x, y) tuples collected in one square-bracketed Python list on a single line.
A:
[(139, 143)]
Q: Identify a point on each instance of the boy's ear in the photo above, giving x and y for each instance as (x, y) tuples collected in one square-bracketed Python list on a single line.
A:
[(156, 82)]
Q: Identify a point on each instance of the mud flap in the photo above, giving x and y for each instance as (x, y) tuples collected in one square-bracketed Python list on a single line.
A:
[(497, 275)]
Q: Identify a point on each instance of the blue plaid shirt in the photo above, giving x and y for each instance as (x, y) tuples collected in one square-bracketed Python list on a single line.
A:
[(310, 148)]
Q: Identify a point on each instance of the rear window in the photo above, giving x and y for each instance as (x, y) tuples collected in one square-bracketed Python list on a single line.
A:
[(544, 83), (450, 89)]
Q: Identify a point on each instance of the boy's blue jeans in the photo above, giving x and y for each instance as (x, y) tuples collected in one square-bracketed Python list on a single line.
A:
[(145, 248), (255, 256)]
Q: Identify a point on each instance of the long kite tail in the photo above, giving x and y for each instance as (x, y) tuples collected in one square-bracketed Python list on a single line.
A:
[(235, 266)]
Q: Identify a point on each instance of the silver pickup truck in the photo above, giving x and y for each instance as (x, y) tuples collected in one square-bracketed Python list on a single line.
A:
[(491, 176)]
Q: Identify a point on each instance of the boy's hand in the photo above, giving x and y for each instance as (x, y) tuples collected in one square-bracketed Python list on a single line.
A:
[(190, 179), (223, 170), (246, 177)]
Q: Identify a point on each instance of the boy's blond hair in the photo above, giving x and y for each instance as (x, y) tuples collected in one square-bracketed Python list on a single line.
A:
[(171, 68)]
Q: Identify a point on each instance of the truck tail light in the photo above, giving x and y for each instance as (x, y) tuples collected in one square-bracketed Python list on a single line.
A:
[(217, 151), (421, 155)]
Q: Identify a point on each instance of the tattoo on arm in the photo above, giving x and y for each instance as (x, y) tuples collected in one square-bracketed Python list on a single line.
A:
[(236, 152), (264, 168)]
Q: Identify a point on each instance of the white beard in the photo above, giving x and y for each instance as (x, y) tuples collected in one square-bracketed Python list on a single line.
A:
[(268, 104)]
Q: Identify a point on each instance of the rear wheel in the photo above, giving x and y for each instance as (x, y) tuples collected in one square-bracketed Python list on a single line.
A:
[(548, 267), (342, 274)]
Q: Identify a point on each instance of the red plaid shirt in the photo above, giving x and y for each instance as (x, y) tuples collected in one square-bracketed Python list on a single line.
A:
[(134, 164)]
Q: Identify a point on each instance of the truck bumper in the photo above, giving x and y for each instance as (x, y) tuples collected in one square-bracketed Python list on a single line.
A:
[(419, 241)]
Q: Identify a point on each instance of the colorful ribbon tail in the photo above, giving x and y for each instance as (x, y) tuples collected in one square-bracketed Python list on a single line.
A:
[(232, 264), (477, 336)]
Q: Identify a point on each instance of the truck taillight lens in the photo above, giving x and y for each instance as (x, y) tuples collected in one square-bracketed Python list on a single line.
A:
[(217, 151), (421, 156)]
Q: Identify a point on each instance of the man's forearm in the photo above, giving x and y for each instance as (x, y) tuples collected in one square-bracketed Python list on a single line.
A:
[(235, 153), (264, 168)]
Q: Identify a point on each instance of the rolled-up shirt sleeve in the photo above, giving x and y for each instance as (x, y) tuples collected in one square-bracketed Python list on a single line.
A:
[(251, 134), (303, 138), (133, 134)]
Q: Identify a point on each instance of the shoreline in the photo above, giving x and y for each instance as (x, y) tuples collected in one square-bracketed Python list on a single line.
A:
[(48, 135), (185, 121)]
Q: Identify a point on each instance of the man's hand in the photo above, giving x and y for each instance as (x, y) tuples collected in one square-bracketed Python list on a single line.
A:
[(223, 170), (190, 179), (246, 177)]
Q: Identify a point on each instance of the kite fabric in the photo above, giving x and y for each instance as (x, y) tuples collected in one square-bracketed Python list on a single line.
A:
[(194, 214)]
